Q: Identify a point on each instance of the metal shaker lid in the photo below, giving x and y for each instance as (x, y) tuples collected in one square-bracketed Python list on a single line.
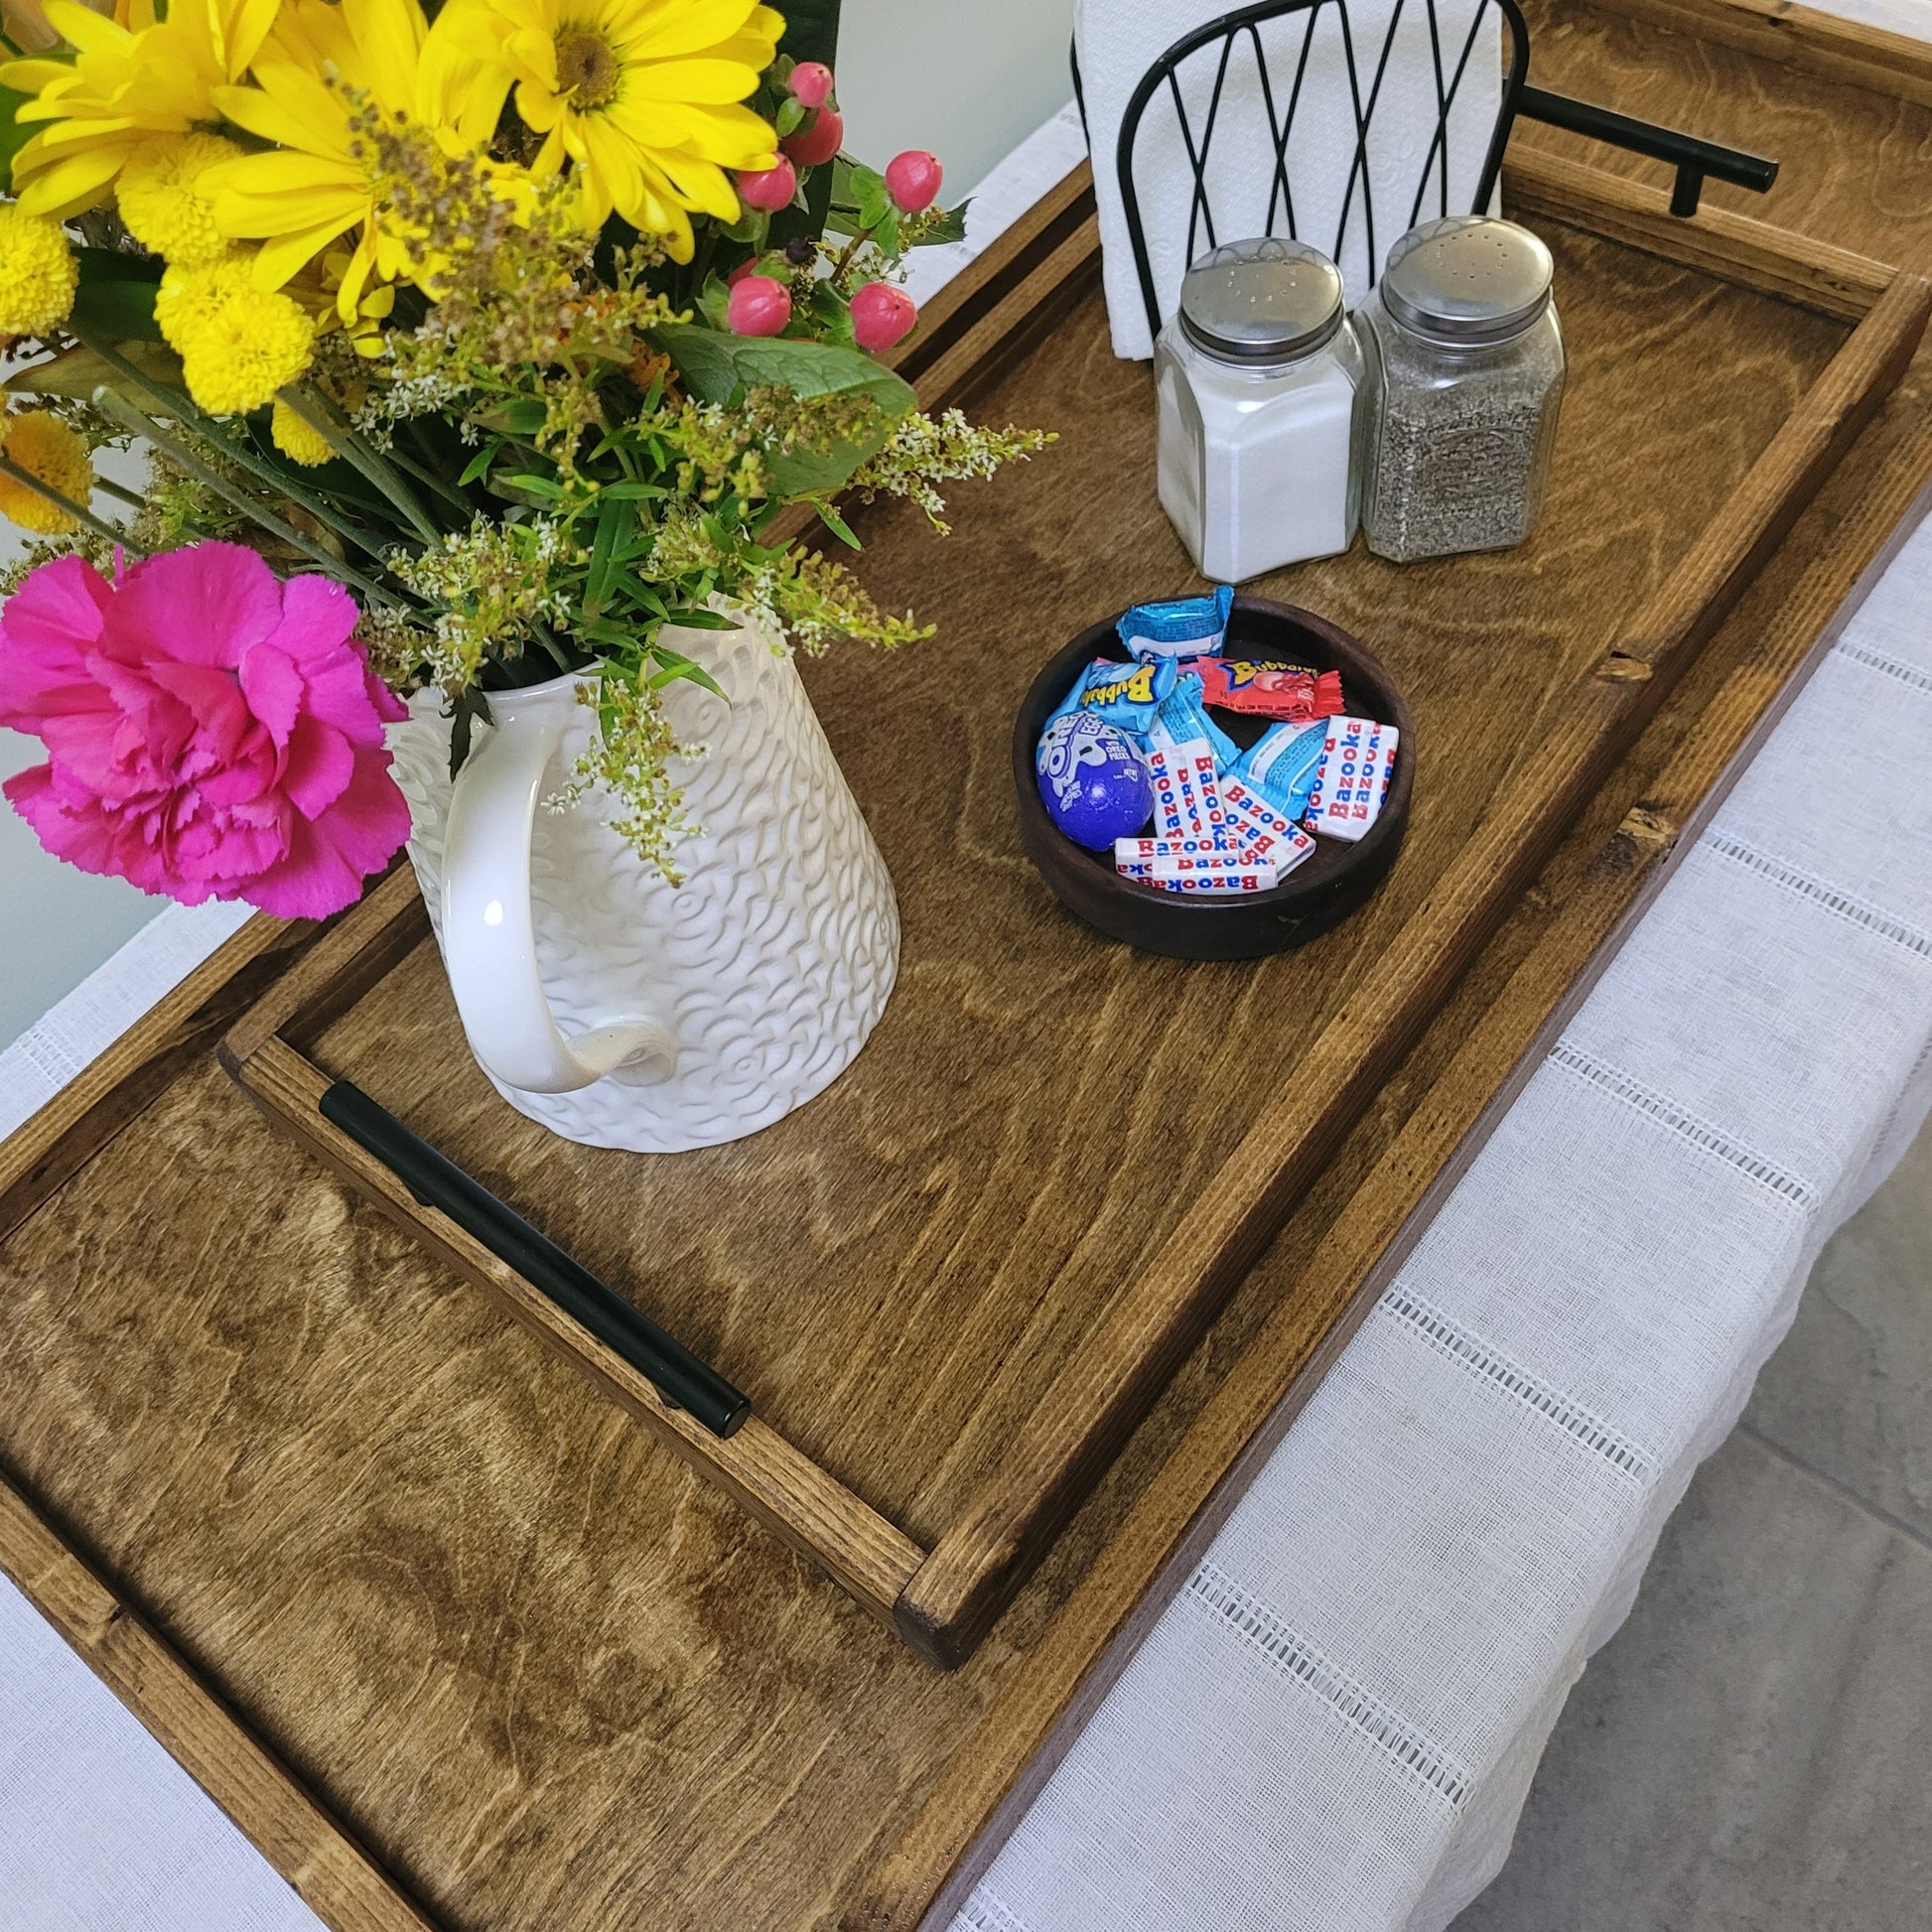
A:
[(1468, 278), (1264, 301)]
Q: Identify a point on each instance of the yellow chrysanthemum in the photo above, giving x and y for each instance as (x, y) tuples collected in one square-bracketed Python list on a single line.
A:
[(46, 447), (641, 97), (36, 273), (316, 188), (238, 343), (162, 201), (296, 438), (130, 79)]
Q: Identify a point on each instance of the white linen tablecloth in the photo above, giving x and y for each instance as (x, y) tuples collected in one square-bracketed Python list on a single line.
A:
[(1334, 1724)]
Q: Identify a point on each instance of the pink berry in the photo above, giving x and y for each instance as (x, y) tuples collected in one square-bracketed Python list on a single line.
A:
[(768, 189), (882, 315), (759, 305), (912, 180), (818, 140), (739, 273), (811, 84)]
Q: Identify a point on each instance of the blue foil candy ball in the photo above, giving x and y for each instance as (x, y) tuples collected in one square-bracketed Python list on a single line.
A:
[(1093, 781)]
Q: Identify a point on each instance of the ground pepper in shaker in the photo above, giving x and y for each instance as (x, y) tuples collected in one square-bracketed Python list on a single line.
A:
[(1258, 375), (1465, 379)]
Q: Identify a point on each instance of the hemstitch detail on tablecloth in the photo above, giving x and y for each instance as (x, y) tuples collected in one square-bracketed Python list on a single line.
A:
[(1214, 1590), (1876, 660), (985, 1911), (1821, 893), (1700, 1134), (1449, 1338)]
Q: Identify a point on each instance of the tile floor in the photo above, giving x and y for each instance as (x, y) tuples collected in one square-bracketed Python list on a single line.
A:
[(1752, 1751)]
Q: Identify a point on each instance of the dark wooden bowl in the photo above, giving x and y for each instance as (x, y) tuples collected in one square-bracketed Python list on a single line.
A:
[(1323, 889)]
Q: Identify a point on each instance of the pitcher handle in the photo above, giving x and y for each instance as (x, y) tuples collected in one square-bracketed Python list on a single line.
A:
[(488, 934)]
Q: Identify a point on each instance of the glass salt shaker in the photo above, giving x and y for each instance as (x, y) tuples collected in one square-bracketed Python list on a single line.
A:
[(1257, 376), (1466, 369)]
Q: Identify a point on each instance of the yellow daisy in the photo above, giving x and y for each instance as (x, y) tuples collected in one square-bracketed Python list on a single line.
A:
[(641, 97), (130, 79), (315, 187)]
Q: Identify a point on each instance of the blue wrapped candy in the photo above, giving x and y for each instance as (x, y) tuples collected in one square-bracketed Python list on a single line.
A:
[(1094, 782), (1127, 694)]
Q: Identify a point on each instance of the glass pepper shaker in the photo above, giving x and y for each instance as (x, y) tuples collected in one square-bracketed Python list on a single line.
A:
[(1465, 368), (1257, 376)]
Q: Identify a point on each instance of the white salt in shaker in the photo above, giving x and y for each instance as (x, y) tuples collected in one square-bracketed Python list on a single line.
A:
[(1258, 375), (1465, 368)]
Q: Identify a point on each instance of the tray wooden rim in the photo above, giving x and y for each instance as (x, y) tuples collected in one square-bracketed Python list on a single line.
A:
[(994, 1773), (943, 1600)]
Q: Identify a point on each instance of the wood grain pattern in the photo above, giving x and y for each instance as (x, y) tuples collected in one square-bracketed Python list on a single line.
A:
[(556, 1680), (95, 1106), (1754, 254), (758, 1467), (1898, 66), (1115, 1357), (338, 1880)]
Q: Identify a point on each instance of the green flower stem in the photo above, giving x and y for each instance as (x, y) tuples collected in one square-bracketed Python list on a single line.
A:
[(121, 494), (47, 494), (181, 409), (316, 410), (117, 406)]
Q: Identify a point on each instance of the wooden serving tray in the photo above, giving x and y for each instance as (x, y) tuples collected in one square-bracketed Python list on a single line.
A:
[(953, 1285), (455, 1642)]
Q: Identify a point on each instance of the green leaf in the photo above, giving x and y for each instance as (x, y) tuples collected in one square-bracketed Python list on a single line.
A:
[(947, 224), (693, 619), (479, 463), (790, 113), (521, 416), (834, 522), (116, 294), (716, 367), (612, 514), (14, 135), (677, 665), (546, 488), (81, 371)]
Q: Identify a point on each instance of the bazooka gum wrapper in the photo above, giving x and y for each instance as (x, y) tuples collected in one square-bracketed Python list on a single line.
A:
[(1183, 626)]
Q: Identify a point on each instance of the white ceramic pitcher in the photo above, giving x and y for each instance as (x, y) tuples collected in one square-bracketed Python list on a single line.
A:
[(613, 1006)]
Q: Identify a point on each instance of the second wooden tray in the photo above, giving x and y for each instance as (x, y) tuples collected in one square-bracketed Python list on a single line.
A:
[(953, 1283)]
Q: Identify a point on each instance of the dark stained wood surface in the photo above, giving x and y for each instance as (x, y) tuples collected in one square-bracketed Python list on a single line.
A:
[(1138, 1329), (554, 1679), (894, 1272)]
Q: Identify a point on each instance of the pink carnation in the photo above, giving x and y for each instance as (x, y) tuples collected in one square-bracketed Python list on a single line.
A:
[(212, 733)]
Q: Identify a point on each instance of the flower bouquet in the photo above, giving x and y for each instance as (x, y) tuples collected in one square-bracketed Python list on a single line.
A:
[(466, 353)]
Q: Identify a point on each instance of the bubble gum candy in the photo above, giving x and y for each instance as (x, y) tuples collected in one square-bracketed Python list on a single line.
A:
[(1183, 626), (1182, 718), (1127, 694), (1280, 767), (1269, 689)]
